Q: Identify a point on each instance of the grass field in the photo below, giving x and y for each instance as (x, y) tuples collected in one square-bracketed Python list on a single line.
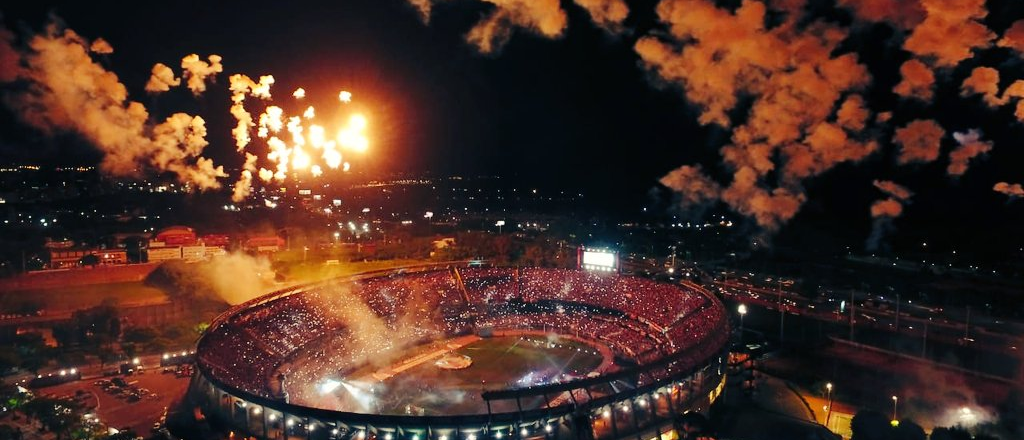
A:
[(89, 295), (77, 297), (498, 363)]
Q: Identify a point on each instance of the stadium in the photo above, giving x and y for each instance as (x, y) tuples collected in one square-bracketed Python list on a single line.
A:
[(447, 352)]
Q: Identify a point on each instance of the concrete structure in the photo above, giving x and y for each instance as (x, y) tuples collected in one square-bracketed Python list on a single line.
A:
[(237, 360)]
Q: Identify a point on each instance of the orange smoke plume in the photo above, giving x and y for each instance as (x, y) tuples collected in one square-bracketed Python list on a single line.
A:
[(887, 208), (983, 81), (950, 32), (904, 14), (196, 71), (971, 146), (543, 17), (691, 183), (920, 141), (71, 92), (161, 79), (918, 81), (1013, 37), (892, 189), (797, 81), (1011, 189)]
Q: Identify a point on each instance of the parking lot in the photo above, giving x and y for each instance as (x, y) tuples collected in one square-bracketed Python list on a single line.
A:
[(135, 401)]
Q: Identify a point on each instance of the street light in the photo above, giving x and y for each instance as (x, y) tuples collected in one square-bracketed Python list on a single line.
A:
[(828, 411), (895, 401), (742, 309)]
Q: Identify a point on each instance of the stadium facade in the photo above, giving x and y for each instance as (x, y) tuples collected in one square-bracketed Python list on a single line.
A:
[(670, 344)]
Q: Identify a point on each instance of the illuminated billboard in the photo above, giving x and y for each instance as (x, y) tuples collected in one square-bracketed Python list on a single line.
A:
[(600, 260)]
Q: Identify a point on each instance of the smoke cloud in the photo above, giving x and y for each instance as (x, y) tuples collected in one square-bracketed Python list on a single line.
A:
[(853, 115), (1011, 189), (161, 79), (608, 14), (423, 7), (243, 187), (196, 71), (543, 17), (884, 211), (971, 146), (1013, 38), (797, 81), (890, 207), (10, 67), (983, 81), (101, 47), (904, 14), (692, 185), (894, 190), (787, 87), (950, 32), (918, 81), (68, 91), (920, 141), (233, 278)]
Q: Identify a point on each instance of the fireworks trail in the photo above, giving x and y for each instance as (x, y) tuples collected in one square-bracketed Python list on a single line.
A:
[(70, 92)]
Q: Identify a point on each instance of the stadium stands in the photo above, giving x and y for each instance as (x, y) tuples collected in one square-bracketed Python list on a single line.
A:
[(637, 318)]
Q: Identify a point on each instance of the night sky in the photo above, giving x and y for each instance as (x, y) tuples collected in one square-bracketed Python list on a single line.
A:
[(579, 111)]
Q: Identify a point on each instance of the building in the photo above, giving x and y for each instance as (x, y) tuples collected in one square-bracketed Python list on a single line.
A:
[(71, 257)]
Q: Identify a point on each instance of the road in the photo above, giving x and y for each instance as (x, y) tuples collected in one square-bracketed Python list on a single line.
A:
[(932, 328)]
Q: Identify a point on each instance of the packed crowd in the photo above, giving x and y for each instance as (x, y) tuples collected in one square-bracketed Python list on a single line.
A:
[(330, 328)]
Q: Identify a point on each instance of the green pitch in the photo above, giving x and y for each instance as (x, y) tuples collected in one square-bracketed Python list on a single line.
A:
[(498, 363)]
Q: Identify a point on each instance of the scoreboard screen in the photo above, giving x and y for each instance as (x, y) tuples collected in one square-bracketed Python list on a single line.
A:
[(599, 260)]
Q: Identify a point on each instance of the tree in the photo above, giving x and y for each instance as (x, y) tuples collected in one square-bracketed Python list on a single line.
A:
[(870, 425), (106, 356), (908, 430), (89, 260), (140, 335), (58, 416), (9, 360), (129, 349), (950, 434)]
